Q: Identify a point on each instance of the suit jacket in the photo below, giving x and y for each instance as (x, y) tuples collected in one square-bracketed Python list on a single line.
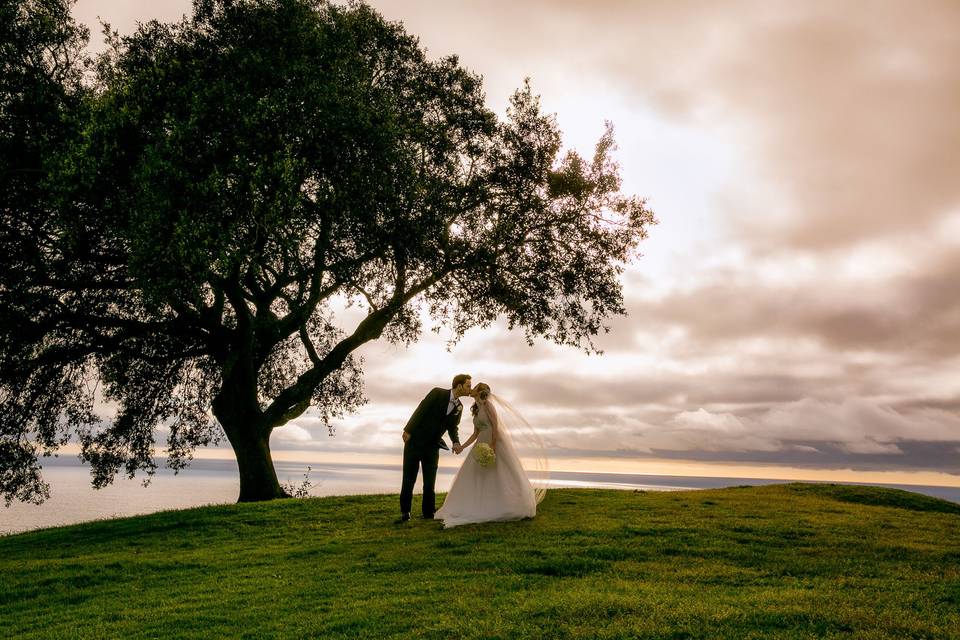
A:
[(430, 420)]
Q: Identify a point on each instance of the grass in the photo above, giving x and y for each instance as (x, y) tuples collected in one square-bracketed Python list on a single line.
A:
[(779, 561)]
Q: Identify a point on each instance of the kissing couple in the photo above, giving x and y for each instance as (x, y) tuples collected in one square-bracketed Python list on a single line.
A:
[(492, 483)]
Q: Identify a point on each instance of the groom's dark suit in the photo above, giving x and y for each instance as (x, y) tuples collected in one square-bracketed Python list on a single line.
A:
[(422, 449)]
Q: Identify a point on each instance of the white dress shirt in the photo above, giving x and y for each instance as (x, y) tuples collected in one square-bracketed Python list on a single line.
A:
[(454, 401)]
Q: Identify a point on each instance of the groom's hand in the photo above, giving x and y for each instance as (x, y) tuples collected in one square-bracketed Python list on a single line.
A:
[(457, 449)]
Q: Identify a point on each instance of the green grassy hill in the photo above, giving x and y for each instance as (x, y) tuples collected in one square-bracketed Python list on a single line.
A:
[(778, 561)]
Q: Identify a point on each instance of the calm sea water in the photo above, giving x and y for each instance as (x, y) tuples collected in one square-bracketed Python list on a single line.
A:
[(216, 482)]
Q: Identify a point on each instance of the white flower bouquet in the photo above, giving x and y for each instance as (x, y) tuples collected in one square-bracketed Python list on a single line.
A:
[(485, 455)]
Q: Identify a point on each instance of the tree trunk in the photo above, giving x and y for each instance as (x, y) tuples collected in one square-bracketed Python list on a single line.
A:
[(236, 408), (251, 445), (258, 478)]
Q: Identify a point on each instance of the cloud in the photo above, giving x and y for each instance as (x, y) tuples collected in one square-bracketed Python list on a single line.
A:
[(858, 434), (701, 420), (292, 432), (848, 117), (914, 312), (840, 289), (798, 302), (855, 425), (854, 113)]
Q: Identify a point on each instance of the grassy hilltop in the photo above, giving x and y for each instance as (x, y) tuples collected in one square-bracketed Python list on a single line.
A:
[(779, 561)]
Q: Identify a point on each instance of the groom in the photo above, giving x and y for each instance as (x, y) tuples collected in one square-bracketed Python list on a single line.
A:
[(439, 411)]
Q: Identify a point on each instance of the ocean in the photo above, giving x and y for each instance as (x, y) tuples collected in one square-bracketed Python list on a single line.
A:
[(208, 482)]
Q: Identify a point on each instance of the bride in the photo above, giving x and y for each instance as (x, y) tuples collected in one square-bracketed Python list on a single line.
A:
[(501, 490)]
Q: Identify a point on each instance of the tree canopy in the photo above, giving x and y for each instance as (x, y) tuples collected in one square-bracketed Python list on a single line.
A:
[(193, 209)]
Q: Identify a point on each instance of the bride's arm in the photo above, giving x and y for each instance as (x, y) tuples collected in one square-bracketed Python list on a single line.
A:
[(470, 440)]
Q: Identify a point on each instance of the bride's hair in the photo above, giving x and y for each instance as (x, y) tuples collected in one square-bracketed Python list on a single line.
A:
[(483, 390)]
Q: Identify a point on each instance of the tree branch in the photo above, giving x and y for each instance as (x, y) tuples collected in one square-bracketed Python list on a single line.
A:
[(370, 328), (311, 351)]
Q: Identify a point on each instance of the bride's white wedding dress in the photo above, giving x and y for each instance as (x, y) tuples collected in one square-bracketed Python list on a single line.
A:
[(484, 494)]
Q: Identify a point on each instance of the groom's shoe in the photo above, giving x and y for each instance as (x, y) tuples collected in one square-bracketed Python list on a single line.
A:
[(404, 517), (427, 516)]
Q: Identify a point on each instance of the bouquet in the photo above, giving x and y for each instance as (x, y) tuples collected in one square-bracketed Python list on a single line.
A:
[(485, 455)]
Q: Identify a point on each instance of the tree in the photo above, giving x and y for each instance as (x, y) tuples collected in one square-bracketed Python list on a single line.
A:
[(238, 172)]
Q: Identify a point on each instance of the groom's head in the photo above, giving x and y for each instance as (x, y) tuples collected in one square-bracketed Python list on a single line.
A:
[(461, 384)]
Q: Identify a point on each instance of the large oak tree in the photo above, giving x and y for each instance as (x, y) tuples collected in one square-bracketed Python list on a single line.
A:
[(195, 208)]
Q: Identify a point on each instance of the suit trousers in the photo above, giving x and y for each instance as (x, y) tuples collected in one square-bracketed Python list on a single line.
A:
[(415, 457)]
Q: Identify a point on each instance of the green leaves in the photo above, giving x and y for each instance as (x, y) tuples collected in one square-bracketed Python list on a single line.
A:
[(222, 178)]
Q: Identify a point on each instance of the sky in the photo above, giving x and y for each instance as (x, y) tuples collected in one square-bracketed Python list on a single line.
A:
[(796, 311)]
